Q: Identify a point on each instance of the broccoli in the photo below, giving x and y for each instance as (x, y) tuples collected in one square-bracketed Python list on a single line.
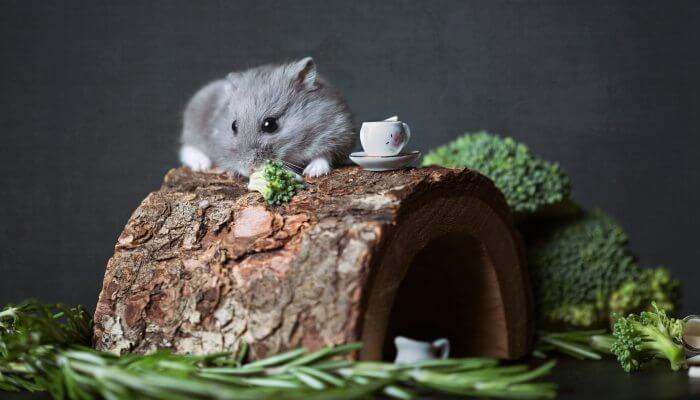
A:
[(582, 268), (635, 340), (530, 184), (650, 286), (640, 338), (580, 263), (276, 183)]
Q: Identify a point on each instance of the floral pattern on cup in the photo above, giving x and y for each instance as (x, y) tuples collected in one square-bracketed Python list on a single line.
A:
[(396, 140)]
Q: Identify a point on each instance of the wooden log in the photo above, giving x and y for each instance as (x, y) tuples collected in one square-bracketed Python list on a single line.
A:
[(203, 266)]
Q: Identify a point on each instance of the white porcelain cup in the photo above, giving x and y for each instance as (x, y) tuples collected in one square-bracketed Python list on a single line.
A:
[(384, 138), (411, 351)]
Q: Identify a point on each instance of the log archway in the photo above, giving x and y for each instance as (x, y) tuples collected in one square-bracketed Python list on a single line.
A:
[(444, 293), (203, 266), (452, 268)]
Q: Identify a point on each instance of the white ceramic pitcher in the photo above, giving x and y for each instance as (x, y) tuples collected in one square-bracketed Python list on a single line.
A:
[(410, 351)]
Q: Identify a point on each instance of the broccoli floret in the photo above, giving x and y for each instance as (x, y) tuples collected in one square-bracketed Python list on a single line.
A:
[(639, 338), (583, 315), (650, 286), (530, 184), (582, 270), (276, 183), (576, 264)]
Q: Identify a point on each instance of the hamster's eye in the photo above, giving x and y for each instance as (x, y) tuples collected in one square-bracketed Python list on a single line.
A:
[(269, 125), (234, 127)]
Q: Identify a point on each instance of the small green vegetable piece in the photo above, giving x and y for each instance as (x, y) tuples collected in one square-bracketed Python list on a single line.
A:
[(530, 184), (648, 335), (582, 269), (276, 183)]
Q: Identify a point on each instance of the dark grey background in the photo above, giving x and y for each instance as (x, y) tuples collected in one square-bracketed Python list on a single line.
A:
[(91, 95)]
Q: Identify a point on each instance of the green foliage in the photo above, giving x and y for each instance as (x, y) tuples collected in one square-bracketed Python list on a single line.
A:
[(30, 333), (582, 268), (648, 335), (276, 183), (530, 184), (39, 351)]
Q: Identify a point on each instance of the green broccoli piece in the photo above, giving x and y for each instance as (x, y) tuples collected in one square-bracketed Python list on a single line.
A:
[(530, 184), (582, 269), (276, 183), (650, 286), (648, 335), (576, 264)]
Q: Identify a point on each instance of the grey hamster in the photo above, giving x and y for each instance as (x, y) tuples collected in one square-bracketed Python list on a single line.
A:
[(278, 112)]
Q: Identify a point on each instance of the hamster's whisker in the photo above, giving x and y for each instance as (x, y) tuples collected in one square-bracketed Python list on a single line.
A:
[(290, 166), (290, 163)]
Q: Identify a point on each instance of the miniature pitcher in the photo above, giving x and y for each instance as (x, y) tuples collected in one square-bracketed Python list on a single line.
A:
[(410, 351)]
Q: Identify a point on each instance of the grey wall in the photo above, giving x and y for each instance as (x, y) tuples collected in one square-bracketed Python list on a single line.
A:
[(91, 94)]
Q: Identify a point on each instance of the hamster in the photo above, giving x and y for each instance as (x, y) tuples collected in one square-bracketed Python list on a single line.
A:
[(284, 112)]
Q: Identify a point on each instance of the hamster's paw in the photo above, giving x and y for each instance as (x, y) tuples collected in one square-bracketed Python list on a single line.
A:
[(317, 167), (194, 158)]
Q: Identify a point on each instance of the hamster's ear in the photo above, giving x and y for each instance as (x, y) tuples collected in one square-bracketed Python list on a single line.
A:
[(304, 72), (232, 77), (231, 81)]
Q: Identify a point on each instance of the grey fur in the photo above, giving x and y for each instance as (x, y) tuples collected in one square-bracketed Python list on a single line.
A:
[(314, 120)]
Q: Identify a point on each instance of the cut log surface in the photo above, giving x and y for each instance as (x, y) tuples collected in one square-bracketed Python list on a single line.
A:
[(203, 266)]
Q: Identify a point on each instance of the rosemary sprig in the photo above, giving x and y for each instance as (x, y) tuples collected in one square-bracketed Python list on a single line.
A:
[(583, 345), (42, 348)]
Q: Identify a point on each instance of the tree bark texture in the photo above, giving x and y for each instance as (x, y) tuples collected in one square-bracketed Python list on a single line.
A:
[(203, 266)]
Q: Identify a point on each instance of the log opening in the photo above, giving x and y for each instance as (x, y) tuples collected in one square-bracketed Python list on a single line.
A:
[(460, 237), (445, 293)]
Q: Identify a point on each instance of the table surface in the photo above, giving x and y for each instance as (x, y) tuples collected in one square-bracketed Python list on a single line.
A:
[(605, 379), (582, 380)]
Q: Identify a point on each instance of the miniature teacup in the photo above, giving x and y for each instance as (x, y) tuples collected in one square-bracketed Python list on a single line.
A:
[(384, 138), (411, 351)]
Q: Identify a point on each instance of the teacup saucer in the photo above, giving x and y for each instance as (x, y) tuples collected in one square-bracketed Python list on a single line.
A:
[(384, 163)]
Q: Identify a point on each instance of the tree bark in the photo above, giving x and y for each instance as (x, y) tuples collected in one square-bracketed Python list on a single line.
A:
[(203, 266)]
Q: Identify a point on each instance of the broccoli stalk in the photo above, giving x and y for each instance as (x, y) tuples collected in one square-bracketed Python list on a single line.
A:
[(274, 182), (648, 335)]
